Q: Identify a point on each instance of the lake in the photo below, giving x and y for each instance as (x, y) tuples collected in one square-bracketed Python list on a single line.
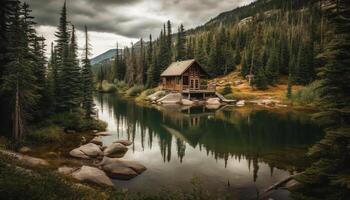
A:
[(229, 150)]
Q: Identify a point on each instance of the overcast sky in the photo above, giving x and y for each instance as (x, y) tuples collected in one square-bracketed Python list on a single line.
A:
[(125, 21)]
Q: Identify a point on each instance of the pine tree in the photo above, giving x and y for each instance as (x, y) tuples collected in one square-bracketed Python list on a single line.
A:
[(150, 71), (169, 42), (19, 79), (62, 53), (87, 80), (180, 44), (70, 78), (328, 176), (260, 80), (272, 66)]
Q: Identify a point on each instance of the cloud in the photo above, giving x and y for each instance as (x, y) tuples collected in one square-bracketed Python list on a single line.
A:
[(131, 18)]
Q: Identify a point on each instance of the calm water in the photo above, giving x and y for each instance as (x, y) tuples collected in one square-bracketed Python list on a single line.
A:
[(230, 150)]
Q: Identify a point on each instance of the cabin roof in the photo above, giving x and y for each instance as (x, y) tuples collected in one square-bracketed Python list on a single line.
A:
[(178, 68)]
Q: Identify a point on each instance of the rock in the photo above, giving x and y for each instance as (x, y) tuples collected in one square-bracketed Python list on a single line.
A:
[(124, 142), (115, 148), (69, 131), (103, 134), (121, 169), (78, 154), (172, 98), (92, 175), (187, 102), (213, 101), (52, 154), (241, 103), (89, 150), (66, 170), (155, 96), (95, 131), (213, 107), (97, 140), (24, 150)]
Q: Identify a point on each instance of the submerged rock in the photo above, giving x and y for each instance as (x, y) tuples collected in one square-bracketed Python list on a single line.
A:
[(124, 142), (89, 150), (121, 169), (103, 134), (213, 101), (92, 175), (115, 148)]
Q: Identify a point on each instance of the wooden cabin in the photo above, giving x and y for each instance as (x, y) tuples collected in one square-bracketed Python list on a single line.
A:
[(186, 77)]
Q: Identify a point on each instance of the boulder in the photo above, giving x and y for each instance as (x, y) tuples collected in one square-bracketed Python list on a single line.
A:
[(69, 131), (97, 140), (213, 101), (187, 102), (103, 134), (172, 98), (66, 170), (121, 169), (24, 150), (95, 131), (89, 150), (115, 148), (155, 96), (241, 103), (78, 154), (92, 175), (124, 142)]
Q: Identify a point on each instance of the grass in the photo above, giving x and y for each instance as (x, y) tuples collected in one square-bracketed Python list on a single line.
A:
[(135, 91), (244, 91), (308, 95)]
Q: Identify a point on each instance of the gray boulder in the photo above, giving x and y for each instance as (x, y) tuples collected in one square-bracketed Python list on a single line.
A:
[(121, 169), (103, 134), (97, 140), (115, 148), (124, 142), (187, 102), (213, 101), (92, 175), (89, 150), (155, 96)]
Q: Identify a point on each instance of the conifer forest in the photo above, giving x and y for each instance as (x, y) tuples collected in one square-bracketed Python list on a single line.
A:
[(175, 99)]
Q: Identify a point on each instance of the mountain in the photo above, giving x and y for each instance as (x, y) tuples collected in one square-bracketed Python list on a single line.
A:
[(106, 56)]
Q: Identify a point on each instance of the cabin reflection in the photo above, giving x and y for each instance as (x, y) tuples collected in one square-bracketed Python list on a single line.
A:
[(223, 134)]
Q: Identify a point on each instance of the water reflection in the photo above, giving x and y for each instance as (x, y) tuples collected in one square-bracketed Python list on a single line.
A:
[(224, 135)]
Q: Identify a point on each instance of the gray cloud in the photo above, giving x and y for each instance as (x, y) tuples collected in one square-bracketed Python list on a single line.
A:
[(131, 18)]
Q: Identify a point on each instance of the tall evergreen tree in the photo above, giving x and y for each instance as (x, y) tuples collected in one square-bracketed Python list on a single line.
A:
[(151, 69), (62, 53), (328, 177), (19, 79), (87, 80), (181, 44)]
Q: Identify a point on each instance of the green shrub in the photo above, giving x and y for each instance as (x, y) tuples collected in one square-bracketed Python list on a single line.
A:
[(229, 96), (121, 86), (77, 121), (106, 87), (48, 134), (307, 95), (226, 90), (135, 90)]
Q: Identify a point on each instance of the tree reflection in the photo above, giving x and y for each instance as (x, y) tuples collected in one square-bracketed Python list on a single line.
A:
[(222, 134)]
